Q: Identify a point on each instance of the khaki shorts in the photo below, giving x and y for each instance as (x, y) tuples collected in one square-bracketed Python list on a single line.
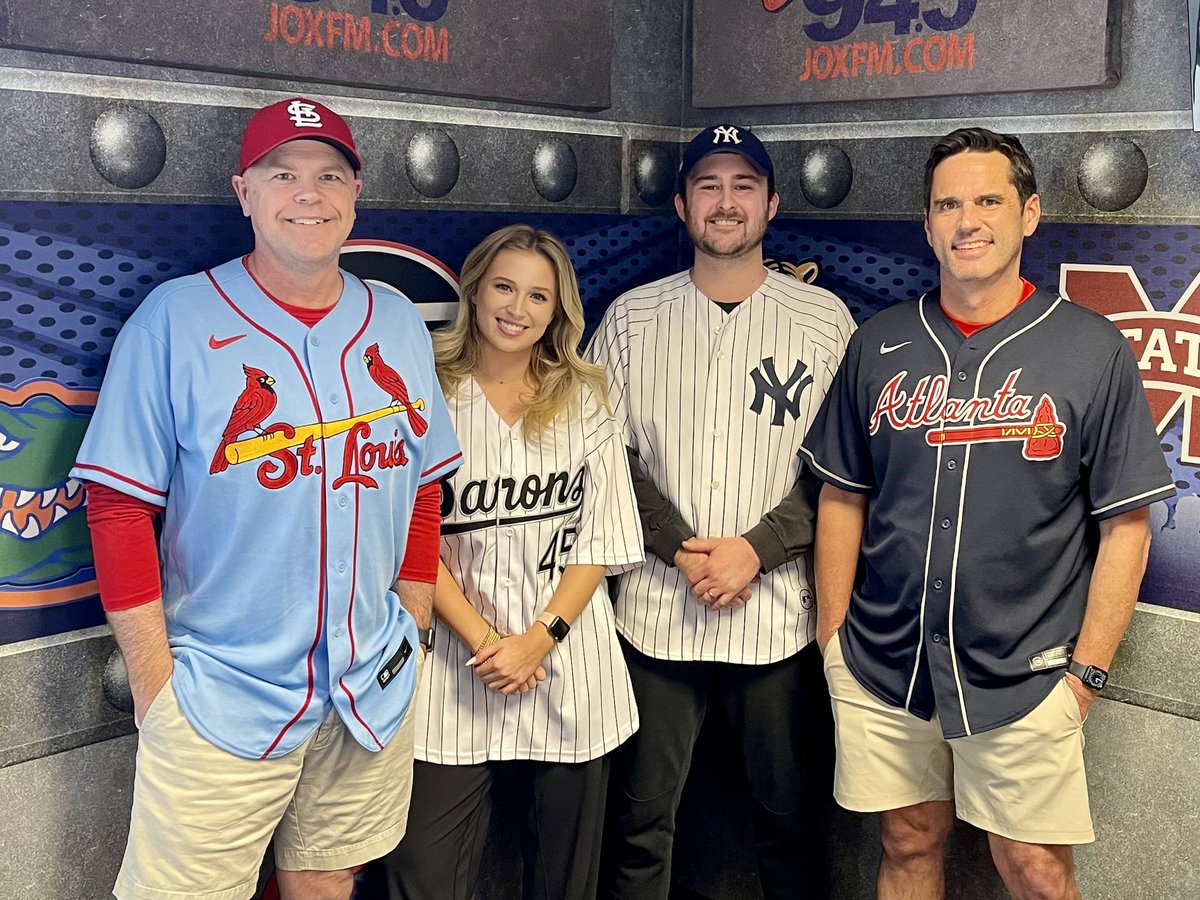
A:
[(202, 817), (1024, 781)]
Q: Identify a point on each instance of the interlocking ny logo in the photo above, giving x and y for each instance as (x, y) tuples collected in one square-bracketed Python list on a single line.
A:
[(787, 395), (305, 115), (726, 134)]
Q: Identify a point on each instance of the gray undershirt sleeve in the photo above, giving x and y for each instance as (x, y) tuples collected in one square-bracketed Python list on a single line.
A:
[(782, 535)]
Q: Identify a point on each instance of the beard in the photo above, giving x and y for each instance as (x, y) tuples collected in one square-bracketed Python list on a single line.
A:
[(727, 246)]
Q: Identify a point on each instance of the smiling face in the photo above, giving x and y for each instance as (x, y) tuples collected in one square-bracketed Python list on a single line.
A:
[(516, 301), (976, 222), (727, 207), (300, 201)]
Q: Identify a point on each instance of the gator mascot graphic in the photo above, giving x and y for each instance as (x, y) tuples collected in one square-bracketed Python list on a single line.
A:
[(45, 554)]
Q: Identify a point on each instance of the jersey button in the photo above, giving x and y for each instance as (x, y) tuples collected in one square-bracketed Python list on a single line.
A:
[(962, 376), (716, 432), (341, 567), (937, 638), (342, 501), (337, 632), (314, 340), (508, 532), (945, 524), (507, 582), (937, 584), (951, 465), (720, 354), (714, 485), (333, 398)]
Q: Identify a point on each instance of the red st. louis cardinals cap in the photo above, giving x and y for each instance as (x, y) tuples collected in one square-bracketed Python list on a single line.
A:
[(295, 119)]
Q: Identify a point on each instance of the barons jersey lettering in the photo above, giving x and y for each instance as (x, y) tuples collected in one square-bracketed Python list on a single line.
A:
[(514, 516), (288, 460), (988, 461), (715, 405)]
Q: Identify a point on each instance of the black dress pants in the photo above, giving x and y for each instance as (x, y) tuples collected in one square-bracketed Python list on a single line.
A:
[(439, 857), (782, 722)]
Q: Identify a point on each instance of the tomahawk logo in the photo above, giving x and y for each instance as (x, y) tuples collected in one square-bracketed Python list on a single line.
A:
[(305, 115), (787, 395), (726, 134), (1166, 344)]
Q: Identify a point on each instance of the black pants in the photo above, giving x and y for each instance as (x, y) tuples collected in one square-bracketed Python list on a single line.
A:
[(781, 719), (439, 857)]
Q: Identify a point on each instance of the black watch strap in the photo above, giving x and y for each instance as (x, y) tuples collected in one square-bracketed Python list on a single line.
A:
[(425, 638), (1092, 676)]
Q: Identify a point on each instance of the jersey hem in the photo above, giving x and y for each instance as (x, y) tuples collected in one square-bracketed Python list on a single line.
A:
[(580, 756), (671, 656)]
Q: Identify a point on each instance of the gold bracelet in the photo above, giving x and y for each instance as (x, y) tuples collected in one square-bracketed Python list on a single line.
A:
[(490, 638)]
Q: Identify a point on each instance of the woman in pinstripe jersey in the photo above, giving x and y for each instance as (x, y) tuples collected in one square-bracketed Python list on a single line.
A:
[(525, 678)]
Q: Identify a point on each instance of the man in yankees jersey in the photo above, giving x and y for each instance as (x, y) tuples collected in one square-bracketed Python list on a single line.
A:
[(991, 449), (297, 472), (715, 375)]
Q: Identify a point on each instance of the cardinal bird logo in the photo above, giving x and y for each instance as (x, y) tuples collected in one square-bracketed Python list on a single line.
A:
[(393, 385), (256, 401)]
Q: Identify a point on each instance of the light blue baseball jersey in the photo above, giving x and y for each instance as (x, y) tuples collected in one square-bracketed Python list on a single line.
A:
[(280, 540)]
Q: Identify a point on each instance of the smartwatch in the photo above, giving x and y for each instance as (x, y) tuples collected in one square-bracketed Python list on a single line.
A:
[(556, 625), (425, 638), (1092, 676)]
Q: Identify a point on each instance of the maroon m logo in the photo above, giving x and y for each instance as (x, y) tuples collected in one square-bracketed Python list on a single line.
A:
[(1166, 344)]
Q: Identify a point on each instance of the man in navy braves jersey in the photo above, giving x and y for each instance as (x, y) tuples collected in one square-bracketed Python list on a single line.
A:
[(990, 448), (284, 418)]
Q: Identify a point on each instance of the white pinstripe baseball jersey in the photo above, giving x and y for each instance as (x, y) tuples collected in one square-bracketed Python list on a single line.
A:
[(513, 517), (716, 404)]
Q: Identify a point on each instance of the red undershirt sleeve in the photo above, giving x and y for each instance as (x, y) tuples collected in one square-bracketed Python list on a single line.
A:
[(124, 547), (424, 536)]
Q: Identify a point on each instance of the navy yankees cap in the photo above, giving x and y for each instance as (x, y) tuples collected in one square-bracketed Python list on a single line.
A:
[(726, 139)]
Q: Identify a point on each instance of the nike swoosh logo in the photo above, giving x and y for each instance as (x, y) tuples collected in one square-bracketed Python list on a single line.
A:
[(217, 345), (885, 349)]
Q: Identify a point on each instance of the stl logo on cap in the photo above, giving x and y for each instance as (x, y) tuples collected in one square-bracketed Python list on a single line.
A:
[(304, 115), (726, 134)]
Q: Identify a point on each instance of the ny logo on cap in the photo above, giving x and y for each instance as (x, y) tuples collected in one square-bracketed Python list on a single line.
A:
[(304, 115), (726, 134)]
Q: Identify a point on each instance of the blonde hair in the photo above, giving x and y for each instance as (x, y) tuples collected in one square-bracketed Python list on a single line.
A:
[(555, 366)]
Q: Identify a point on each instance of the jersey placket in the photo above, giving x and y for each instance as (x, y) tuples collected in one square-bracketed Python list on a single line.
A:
[(339, 560), (945, 535), (711, 417)]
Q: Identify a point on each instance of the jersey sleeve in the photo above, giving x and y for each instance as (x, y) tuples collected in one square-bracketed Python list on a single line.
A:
[(1120, 449), (836, 446), (610, 348), (131, 444), (441, 454), (610, 533)]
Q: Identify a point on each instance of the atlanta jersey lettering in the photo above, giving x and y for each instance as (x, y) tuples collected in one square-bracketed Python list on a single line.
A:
[(513, 517), (288, 463), (715, 405), (988, 461)]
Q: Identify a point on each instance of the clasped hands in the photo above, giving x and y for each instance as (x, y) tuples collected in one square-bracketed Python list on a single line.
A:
[(719, 570), (513, 665)]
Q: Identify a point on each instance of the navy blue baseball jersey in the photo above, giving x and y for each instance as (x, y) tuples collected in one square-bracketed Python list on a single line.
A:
[(989, 462), (288, 459)]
